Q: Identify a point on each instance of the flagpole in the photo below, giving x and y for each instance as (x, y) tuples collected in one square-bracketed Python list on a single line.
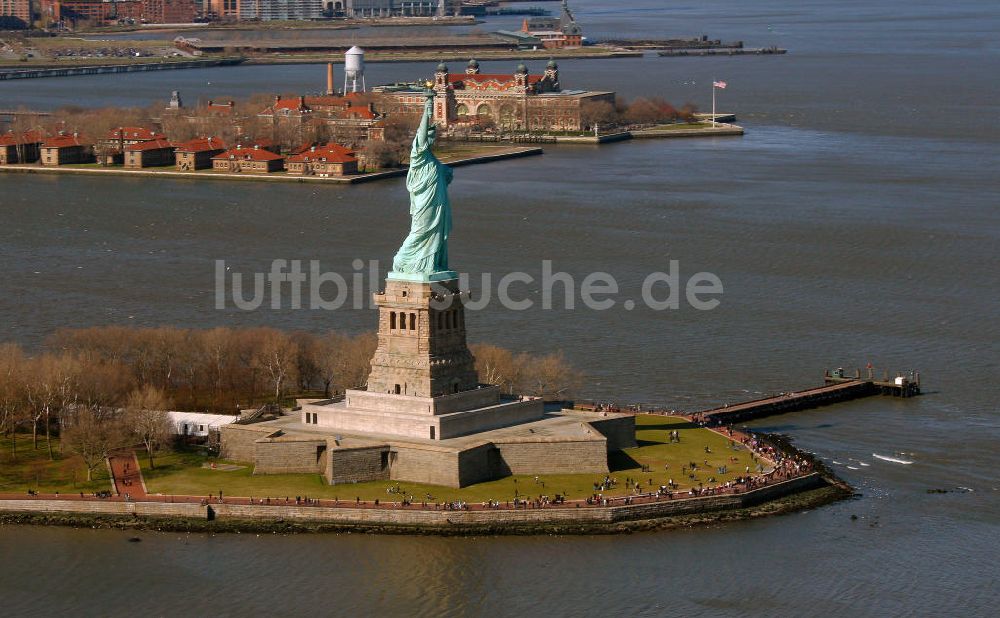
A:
[(713, 102)]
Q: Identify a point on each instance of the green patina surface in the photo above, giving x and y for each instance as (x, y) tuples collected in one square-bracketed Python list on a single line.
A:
[(424, 251)]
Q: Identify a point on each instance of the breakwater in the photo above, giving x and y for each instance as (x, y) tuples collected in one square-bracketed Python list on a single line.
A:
[(115, 68)]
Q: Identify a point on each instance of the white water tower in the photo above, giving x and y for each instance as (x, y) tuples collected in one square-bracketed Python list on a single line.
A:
[(354, 70)]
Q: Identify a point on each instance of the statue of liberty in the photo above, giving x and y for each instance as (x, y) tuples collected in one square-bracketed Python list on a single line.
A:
[(425, 249)]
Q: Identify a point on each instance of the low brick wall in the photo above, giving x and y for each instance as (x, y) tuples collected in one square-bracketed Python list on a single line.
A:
[(419, 517)]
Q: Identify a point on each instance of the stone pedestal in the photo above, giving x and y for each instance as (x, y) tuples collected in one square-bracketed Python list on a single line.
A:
[(421, 340), (423, 382)]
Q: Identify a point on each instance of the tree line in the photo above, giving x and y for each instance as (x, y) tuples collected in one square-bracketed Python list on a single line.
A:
[(109, 386), (638, 111)]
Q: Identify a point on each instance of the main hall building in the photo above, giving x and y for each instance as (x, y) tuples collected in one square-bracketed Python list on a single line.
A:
[(520, 101)]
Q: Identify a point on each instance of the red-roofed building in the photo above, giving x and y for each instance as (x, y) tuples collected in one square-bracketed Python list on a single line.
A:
[(64, 149), (221, 108), (197, 154), (555, 32), (23, 148), (294, 107), (517, 102), (349, 117), (111, 148), (325, 160), (154, 153), (252, 159)]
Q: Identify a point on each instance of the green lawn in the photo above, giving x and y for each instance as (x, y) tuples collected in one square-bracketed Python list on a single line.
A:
[(32, 469), (182, 472)]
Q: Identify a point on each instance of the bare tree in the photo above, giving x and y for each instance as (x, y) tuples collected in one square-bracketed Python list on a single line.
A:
[(495, 365), (146, 418), (276, 356), (550, 376), (598, 113), (11, 392), (343, 362), (93, 434)]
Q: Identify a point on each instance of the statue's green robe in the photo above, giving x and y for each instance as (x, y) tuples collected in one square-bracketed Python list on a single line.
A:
[(425, 249)]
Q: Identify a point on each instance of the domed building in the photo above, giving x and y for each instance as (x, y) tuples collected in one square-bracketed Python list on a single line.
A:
[(518, 101)]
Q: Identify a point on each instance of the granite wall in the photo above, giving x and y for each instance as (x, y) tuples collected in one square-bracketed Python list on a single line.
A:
[(359, 464), (289, 456), (618, 429)]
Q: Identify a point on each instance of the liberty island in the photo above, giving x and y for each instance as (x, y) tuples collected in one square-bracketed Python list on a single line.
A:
[(424, 416), (426, 419)]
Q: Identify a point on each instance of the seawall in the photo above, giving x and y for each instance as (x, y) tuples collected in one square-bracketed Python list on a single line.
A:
[(165, 172), (565, 519)]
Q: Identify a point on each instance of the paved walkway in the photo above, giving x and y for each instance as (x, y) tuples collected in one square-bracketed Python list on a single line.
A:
[(126, 475)]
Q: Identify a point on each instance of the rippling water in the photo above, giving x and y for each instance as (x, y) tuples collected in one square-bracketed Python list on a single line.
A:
[(856, 221)]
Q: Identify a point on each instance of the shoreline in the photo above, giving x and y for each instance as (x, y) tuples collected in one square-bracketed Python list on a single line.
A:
[(513, 153), (21, 70), (801, 493)]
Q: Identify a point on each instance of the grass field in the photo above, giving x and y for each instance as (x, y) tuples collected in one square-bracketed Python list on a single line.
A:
[(32, 469), (182, 473)]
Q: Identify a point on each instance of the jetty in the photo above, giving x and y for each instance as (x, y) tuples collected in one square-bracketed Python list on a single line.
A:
[(838, 387)]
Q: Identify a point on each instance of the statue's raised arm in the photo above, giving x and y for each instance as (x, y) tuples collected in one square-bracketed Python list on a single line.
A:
[(425, 249), (426, 130)]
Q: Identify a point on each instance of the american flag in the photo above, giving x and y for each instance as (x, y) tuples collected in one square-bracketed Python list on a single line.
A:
[(719, 84)]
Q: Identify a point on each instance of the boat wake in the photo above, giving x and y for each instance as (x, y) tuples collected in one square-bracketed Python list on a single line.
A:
[(905, 462)]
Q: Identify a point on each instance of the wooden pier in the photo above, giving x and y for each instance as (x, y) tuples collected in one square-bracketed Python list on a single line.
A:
[(838, 387)]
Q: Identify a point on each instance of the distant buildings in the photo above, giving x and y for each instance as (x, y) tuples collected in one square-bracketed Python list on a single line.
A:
[(349, 118), (520, 101), (266, 10), (101, 12), (15, 14), (65, 149), (253, 159), (20, 148), (555, 32), (197, 154), (154, 153), (387, 8), (328, 160), (111, 148)]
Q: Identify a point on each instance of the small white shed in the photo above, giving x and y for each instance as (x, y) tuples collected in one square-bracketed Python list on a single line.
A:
[(197, 423)]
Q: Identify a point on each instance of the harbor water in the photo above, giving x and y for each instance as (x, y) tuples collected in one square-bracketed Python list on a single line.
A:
[(855, 222)]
